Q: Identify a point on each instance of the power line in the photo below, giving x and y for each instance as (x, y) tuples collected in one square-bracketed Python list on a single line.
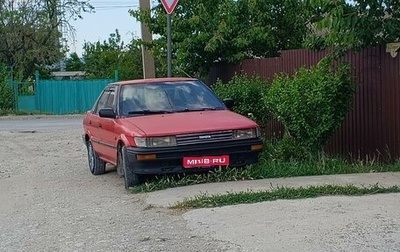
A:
[(114, 7)]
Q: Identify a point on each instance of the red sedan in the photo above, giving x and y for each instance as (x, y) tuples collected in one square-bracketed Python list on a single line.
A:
[(166, 125)]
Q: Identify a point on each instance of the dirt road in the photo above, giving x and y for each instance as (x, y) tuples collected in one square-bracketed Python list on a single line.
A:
[(50, 202)]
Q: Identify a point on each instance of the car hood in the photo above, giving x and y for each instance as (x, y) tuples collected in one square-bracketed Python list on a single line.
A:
[(189, 122)]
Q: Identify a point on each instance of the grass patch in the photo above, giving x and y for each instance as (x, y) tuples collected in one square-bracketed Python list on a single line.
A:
[(266, 169), (21, 112), (205, 201)]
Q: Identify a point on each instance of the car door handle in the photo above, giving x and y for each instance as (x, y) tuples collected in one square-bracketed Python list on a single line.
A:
[(100, 125), (90, 122)]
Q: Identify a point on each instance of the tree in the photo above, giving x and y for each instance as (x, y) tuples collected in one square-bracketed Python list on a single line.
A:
[(74, 63), (208, 31), (6, 92), (30, 32), (355, 24), (102, 59)]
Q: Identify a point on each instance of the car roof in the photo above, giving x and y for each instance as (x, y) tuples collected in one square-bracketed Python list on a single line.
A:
[(152, 80)]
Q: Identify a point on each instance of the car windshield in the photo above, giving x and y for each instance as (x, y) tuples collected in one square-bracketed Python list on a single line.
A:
[(167, 97)]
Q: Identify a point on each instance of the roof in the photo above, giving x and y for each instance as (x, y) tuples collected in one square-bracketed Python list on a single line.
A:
[(153, 80), (68, 73)]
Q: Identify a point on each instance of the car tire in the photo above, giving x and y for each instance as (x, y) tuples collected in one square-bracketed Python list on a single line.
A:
[(130, 178), (96, 165)]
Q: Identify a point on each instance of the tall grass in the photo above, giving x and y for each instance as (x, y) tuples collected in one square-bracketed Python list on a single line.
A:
[(206, 200), (267, 168)]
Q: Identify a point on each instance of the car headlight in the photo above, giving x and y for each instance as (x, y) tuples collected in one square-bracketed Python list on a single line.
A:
[(246, 133), (155, 141)]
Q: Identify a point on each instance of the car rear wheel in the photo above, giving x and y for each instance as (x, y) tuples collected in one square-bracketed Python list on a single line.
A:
[(130, 178), (96, 165)]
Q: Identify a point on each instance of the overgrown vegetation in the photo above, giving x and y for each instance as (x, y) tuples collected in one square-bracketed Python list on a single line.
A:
[(6, 92), (312, 103), (248, 93), (268, 167), (11, 112), (206, 200)]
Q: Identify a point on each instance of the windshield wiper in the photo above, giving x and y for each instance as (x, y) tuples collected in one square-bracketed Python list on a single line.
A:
[(148, 112), (196, 109)]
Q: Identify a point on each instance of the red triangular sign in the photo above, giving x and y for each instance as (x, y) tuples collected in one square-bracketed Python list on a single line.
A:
[(169, 5)]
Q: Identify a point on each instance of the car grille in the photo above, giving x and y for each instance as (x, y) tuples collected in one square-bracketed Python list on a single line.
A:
[(205, 137)]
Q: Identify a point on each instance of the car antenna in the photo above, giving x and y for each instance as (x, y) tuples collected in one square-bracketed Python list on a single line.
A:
[(187, 75)]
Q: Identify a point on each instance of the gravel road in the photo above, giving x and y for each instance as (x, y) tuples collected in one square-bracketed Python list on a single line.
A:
[(50, 202)]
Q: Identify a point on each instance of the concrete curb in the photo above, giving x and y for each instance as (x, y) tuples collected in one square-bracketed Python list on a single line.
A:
[(169, 197)]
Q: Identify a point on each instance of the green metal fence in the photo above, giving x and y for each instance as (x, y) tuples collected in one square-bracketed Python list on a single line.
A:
[(68, 96), (59, 96)]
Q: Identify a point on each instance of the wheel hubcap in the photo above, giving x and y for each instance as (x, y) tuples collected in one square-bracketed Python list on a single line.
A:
[(120, 167), (91, 157)]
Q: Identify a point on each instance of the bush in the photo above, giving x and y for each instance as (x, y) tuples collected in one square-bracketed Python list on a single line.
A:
[(312, 103), (285, 149), (248, 94), (6, 92)]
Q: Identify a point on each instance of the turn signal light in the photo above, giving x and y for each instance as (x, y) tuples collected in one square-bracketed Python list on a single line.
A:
[(144, 157), (256, 147)]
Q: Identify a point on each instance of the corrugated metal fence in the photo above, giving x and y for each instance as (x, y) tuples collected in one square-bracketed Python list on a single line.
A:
[(372, 128), (62, 96)]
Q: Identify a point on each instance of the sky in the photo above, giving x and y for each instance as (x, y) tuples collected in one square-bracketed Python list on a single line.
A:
[(109, 15)]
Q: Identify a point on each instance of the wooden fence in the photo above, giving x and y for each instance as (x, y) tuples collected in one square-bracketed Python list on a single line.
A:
[(372, 128)]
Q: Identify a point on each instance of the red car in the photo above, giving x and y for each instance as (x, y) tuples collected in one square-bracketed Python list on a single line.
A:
[(166, 125)]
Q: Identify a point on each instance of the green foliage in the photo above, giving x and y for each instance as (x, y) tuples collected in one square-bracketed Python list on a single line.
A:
[(6, 92), (312, 103), (30, 37), (102, 59), (74, 63), (286, 149), (207, 31), (353, 24), (268, 167), (247, 93), (248, 197)]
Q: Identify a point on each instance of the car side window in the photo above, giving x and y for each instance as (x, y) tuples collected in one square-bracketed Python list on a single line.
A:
[(111, 100), (106, 100), (102, 101)]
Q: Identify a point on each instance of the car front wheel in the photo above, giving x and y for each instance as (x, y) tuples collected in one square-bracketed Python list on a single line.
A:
[(96, 165), (130, 178)]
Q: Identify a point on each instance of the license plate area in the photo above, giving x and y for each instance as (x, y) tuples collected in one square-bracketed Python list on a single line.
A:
[(205, 161)]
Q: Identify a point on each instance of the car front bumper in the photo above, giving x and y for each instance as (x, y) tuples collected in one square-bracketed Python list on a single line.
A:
[(170, 159)]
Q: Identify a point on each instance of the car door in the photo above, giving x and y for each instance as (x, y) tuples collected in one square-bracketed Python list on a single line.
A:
[(107, 129), (102, 128), (93, 121)]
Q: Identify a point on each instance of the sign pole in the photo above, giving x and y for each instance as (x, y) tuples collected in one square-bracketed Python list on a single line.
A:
[(169, 6), (169, 46)]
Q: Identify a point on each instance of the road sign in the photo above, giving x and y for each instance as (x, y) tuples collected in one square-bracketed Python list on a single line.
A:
[(169, 5)]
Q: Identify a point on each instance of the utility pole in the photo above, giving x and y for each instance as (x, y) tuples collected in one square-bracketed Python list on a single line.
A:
[(147, 57)]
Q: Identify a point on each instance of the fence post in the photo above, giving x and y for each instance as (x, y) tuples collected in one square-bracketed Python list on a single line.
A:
[(14, 85), (116, 75), (36, 90)]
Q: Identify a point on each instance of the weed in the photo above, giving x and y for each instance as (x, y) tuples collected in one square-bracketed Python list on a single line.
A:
[(206, 200), (266, 168)]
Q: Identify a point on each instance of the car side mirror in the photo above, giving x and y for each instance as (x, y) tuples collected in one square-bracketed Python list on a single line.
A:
[(107, 113), (229, 103)]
